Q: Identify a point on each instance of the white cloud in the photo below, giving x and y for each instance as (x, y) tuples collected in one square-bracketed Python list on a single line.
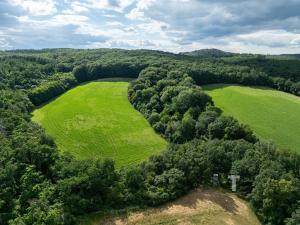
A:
[(98, 4), (55, 21), (138, 12), (37, 7), (75, 8), (173, 25), (88, 29), (135, 14), (62, 20), (135, 44), (114, 23), (217, 14), (4, 44), (112, 31), (125, 3), (115, 5), (153, 26), (295, 42), (144, 4), (109, 16), (271, 38), (260, 42)]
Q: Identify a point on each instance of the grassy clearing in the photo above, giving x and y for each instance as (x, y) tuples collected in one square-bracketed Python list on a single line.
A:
[(273, 115), (205, 207), (97, 120)]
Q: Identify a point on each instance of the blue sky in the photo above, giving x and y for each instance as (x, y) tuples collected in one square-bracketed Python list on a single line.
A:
[(256, 26)]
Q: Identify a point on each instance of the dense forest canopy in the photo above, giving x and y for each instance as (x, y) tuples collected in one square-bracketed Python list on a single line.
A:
[(209, 53), (39, 185), (26, 69)]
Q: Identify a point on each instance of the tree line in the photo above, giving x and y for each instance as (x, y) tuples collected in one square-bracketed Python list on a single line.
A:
[(54, 86), (218, 72), (286, 66), (27, 69)]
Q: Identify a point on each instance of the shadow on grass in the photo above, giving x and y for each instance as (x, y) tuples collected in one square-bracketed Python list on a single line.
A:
[(224, 200)]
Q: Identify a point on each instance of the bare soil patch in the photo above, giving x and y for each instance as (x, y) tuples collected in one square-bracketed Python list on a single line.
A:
[(205, 207)]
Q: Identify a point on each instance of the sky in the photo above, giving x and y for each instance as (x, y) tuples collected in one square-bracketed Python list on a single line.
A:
[(252, 26)]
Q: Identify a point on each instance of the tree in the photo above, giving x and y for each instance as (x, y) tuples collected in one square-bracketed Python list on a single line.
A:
[(295, 218), (188, 127), (274, 193), (190, 98), (81, 73), (172, 181)]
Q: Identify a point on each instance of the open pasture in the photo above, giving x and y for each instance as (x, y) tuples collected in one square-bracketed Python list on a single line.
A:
[(97, 120), (273, 115)]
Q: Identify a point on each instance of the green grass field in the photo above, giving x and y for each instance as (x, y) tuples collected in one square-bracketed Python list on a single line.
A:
[(97, 120), (273, 115)]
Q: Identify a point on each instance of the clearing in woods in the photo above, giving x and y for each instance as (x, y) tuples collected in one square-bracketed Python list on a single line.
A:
[(97, 120), (272, 115), (205, 207)]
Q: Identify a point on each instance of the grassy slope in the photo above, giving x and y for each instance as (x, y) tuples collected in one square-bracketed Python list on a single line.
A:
[(273, 115), (205, 207), (97, 120)]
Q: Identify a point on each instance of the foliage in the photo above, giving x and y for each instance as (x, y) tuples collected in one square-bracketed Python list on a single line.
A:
[(174, 108), (38, 185), (56, 85), (295, 218), (287, 68), (269, 179)]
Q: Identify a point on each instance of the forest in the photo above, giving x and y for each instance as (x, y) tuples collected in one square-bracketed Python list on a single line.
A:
[(41, 186)]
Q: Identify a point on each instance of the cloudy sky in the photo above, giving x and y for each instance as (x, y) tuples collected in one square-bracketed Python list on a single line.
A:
[(257, 26)]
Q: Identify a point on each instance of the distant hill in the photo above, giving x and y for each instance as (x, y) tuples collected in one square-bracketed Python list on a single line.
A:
[(208, 53), (285, 56), (283, 65), (217, 53)]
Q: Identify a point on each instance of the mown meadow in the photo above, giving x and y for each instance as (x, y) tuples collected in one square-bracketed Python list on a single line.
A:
[(273, 115), (97, 120)]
